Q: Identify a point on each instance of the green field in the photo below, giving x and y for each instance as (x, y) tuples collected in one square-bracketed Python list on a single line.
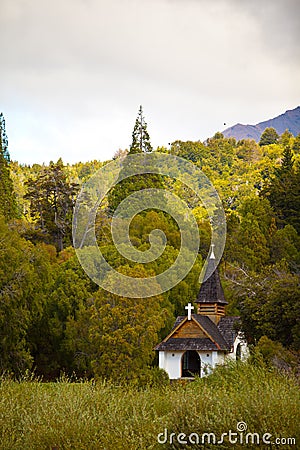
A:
[(96, 415)]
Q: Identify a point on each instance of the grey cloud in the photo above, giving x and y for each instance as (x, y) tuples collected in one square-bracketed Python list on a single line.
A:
[(190, 62)]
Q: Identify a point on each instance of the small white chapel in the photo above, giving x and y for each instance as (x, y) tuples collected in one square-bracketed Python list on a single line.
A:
[(198, 342)]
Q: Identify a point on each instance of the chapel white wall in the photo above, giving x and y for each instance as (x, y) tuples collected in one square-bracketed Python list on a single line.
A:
[(171, 363), (240, 339)]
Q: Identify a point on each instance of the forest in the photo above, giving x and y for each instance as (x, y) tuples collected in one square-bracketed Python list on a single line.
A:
[(54, 320)]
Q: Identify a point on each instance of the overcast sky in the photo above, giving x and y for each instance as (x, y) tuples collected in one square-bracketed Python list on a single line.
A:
[(74, 72)]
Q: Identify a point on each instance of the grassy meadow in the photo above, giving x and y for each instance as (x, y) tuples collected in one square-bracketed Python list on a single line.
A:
[(97, 415)]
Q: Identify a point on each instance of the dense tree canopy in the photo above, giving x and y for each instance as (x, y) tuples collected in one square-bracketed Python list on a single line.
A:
[(54, 318), (283, 191)]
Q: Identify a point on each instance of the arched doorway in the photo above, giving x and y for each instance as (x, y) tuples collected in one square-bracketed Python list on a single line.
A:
[(190, 364)]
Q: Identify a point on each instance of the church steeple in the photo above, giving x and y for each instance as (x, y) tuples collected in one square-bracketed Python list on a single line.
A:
[(211, 300)]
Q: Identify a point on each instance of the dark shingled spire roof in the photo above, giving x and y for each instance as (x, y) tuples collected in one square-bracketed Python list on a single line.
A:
[(211, 290)]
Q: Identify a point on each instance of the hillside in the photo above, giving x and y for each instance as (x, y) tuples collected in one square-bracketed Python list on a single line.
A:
[(289, 120), (50, 308)]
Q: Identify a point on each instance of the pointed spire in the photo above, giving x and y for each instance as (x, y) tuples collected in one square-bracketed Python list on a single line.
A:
[(212, 255), (211, 290)]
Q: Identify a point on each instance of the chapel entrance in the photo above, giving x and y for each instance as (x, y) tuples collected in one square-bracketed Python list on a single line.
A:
[(190, 364)]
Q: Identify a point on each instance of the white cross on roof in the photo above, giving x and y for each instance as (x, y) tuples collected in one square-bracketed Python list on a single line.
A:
[(189, 308)]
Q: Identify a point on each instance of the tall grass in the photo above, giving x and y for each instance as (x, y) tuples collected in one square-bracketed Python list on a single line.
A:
[(87, 415)]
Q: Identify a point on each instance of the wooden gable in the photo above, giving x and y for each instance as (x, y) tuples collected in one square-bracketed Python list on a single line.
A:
[(188, 329)]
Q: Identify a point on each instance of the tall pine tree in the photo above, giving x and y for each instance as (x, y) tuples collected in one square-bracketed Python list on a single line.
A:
[(140, 136), (140, 144), (8, 203)]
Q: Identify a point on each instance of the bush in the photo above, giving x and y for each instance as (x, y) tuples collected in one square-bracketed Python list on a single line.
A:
[(275, 355)]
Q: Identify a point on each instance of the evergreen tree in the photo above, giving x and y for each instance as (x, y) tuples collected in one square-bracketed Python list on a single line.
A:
[(287, 162), (285, 138), (3, 139), (296, 144), (269, 136), (8, 204), (140, 144), (140, 136), (52, 199), (283, 192)]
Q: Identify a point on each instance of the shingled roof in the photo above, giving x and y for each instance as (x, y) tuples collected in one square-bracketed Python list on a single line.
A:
[(211, 290), (227, 328), (216, 337), (213, 330), (177, 344), (217, 341)]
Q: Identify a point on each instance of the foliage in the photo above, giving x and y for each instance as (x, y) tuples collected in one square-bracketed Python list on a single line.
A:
[(3, 139), (24, 276), (275, 355), (269, 304), (140, 136), (51, 203), (269, 136), (296, 144), (283, 192), (127, 186), (83, 415), (8, 204), (54, 318), (121, 332), (248, 234), (66, 299), (286, 138)]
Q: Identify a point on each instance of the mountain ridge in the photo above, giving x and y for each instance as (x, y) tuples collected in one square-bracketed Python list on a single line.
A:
[(289, 120)]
